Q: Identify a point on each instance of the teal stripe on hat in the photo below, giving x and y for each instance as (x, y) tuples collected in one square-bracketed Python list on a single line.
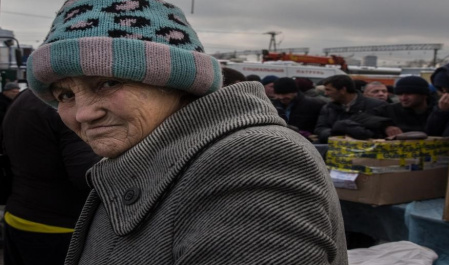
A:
[(217, 76), (183, 70), (65, 58), (129, 59)]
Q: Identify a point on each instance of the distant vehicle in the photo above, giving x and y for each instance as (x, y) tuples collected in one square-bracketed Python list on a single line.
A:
[(12, 58), (305, 59), (285, 69), (388, 80), (370, 70)]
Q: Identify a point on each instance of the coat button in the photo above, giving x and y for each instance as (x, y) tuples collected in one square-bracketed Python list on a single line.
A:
[(131, 196)]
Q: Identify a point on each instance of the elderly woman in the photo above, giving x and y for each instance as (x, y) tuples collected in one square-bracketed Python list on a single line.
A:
[(192, 174)]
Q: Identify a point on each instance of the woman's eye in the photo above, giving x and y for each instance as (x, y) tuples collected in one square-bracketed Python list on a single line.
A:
[(110, 84), (65, 96)]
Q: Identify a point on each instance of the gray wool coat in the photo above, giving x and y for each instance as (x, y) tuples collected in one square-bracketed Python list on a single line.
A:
[(221, 181)]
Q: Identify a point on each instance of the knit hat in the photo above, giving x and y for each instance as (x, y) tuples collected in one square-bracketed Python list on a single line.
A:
[(148, 41), (269, 79), (10, 86), (253, 78), (412, 85), (440, 78), (285, 85), (304, 84)]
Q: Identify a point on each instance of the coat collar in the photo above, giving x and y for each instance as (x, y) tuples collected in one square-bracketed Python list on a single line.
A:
[(131, 185)]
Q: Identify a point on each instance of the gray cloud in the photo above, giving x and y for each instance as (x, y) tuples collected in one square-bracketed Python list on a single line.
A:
[(316, 24)]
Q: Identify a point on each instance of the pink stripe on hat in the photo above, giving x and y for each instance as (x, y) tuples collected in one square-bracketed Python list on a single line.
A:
[(158, 64), (96, 56), (68, 3), (42, 68), (131, 5), (204, 74)]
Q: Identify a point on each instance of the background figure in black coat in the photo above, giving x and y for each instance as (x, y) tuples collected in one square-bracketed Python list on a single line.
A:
[(9, 92), (48, 164), (294, 107), (438, 121)]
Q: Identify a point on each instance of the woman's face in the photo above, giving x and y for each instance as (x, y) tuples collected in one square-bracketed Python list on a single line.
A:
[(112, 115)]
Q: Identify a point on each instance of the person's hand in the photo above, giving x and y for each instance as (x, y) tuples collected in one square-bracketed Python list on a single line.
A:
[(392, 131), (443, 103)]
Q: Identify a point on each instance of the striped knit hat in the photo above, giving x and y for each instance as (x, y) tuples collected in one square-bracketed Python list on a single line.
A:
[(148, 41)]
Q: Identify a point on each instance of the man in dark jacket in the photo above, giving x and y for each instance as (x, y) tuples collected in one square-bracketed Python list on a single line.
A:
[(411, 113), (48, 163), (294, 107), (348, 112)]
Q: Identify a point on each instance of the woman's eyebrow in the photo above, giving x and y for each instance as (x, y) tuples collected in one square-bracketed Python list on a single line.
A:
[(56, 88)]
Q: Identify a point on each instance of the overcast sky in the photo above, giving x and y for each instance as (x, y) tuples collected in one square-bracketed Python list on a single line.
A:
[(228, 25)]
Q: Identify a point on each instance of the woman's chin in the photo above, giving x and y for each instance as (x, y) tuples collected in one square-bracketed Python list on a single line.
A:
[(108, 150)]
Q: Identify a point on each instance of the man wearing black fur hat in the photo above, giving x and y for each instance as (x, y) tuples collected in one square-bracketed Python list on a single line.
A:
[(438, 122), (294, 107), (412, 111)]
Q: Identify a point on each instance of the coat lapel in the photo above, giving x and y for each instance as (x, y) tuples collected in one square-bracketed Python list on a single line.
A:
[(132, 185)]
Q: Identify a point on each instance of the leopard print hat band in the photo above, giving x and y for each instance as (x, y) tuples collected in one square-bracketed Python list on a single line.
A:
[(148, 41)]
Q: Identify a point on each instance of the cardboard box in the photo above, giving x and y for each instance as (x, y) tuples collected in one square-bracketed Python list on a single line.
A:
[(397, 187), (390, 172)]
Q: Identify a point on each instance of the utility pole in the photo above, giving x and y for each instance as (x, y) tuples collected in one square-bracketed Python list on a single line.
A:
[(435, 56), (193, 5)]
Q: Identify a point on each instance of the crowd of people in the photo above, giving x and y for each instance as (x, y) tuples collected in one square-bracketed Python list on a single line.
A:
[(339, 105)]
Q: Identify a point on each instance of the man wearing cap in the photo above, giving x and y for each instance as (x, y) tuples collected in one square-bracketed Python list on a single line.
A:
[(294, 107), (411, 113), (438, 122), (268, 82), (9, 92)]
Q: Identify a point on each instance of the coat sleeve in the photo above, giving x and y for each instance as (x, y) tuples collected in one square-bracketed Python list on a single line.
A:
[(323, 126), (255, 198), (437, 123)]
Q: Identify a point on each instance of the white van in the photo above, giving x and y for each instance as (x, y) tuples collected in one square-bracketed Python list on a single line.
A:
[(285, 69)]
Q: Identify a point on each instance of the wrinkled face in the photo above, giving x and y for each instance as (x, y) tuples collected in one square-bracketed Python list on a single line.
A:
[(376, 91), (12, 93), (269, 90), (412, 100), (334, 94), (285, 98), (112, 115)]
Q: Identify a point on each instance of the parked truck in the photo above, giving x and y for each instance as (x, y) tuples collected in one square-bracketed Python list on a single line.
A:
[(12, 57), (285, 69)]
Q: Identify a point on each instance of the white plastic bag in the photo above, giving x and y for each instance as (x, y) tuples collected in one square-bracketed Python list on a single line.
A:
[(394, 253)]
